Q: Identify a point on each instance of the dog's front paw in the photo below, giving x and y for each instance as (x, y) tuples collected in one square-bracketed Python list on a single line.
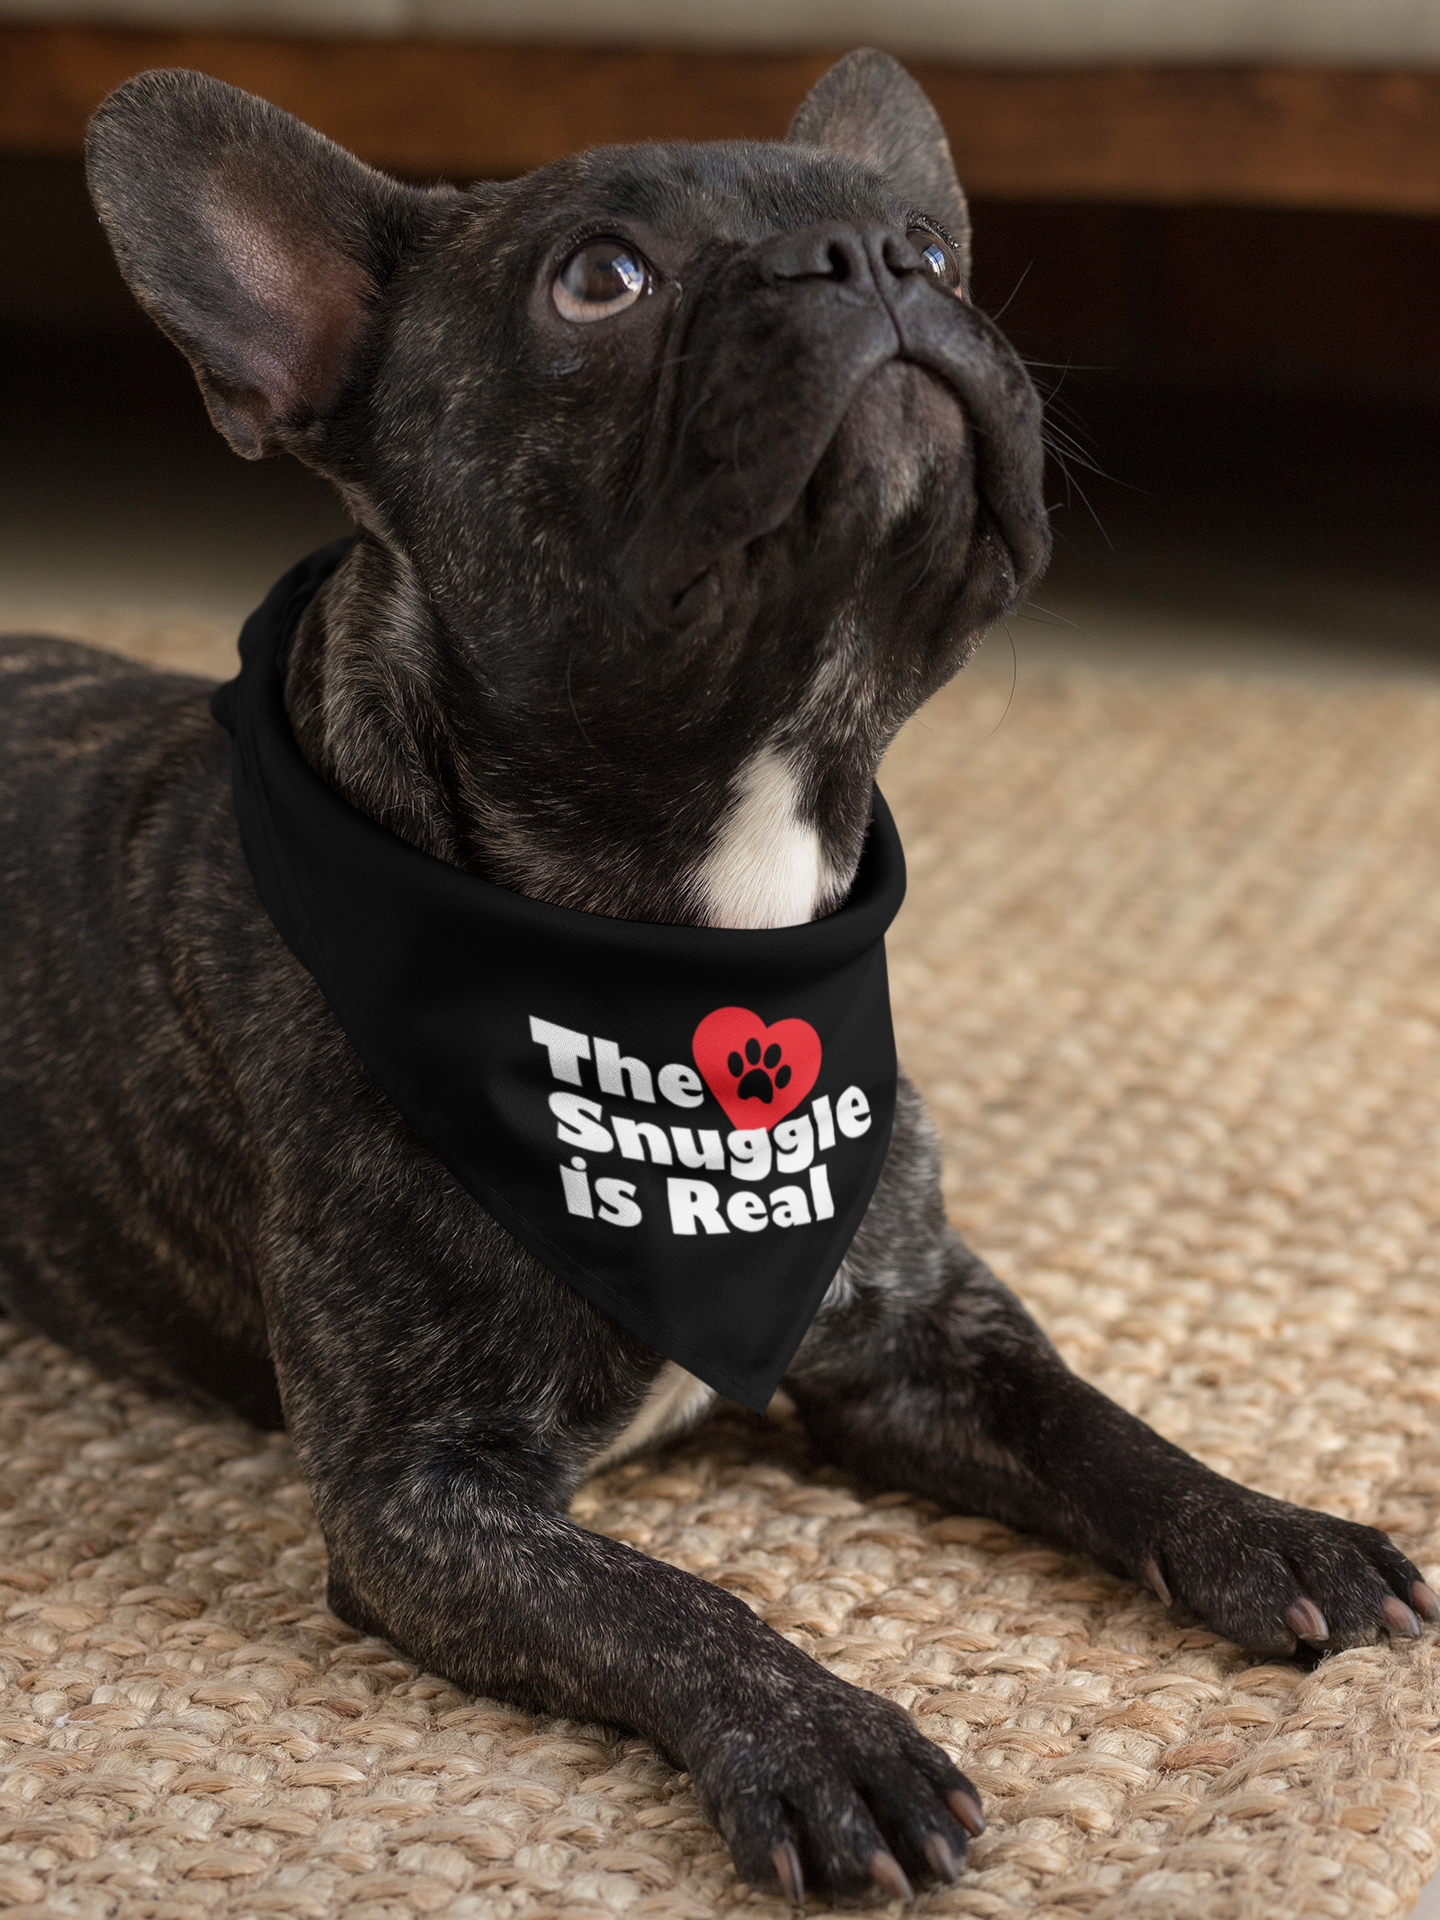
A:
[(835, 1791), (1268, 1575)]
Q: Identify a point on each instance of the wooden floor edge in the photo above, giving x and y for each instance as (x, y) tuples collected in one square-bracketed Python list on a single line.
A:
[(1279, 136)]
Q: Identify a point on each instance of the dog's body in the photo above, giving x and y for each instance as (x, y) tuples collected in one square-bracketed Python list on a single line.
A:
[(640, 597)]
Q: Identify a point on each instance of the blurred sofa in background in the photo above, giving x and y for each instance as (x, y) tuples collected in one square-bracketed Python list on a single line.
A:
[(1213, 224), (1314, 103)]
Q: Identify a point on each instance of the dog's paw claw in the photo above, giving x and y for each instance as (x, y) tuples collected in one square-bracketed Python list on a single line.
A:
[(789, 1872), (943, 1863), (1399, 1619), (888, 1874), (1425, 1601), (1156, 1580), (966, 1809), (1306, 1620)]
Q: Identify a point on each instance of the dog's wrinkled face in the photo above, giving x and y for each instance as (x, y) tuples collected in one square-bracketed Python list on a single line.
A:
[(677, 456), (744, 386)]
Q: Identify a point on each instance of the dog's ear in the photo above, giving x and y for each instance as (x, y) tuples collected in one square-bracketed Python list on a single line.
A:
[(868, 108), (256, 244)]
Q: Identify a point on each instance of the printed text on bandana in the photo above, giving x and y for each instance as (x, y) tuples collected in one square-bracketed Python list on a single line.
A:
[(768, 1168)]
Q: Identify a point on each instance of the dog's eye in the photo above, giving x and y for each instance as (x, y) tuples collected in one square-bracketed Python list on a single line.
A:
[(937, 257), (600, 278)]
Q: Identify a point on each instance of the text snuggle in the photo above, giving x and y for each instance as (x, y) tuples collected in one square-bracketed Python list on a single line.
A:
[(748, 1155)]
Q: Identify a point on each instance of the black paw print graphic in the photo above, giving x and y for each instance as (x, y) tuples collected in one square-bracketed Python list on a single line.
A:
[(757, 1083)]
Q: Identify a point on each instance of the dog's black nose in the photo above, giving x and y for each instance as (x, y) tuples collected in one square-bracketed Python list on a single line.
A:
[(875, 256)]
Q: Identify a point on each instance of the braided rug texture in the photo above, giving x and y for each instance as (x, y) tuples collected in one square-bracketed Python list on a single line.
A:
[(1170, 976)]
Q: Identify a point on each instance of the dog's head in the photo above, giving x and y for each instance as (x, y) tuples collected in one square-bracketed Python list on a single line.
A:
[(670, 459)]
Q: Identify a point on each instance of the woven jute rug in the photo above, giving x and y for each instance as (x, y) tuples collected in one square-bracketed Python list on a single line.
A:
[(1170, 976)]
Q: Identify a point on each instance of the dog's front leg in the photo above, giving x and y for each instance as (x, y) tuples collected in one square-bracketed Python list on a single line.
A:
[(810, 1780), (926, 1373), (441, 1452)]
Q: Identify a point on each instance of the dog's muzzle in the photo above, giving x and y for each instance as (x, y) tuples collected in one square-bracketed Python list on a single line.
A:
[(774, 353)]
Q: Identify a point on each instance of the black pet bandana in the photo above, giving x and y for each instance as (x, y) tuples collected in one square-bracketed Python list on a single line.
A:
[(685, 1123)]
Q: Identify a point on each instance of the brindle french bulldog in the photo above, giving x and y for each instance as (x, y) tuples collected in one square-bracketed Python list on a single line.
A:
[(683, 475)]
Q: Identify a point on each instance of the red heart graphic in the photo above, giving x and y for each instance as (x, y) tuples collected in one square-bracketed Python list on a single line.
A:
[(744, 1061)]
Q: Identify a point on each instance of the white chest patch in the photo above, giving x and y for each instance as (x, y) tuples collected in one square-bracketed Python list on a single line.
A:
[(766, 868), (676, 1399)]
